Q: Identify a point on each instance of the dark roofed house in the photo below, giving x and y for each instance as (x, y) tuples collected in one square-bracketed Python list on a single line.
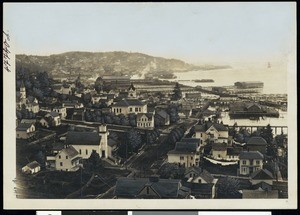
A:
[(250, 162), (257, 144), (185, 154), (32, 168), (83, 138), (163, 116), (212, 132), (150, 188), (262, 175), (25, 130)]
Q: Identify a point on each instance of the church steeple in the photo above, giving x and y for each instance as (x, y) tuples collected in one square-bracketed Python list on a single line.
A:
[(22, 90)]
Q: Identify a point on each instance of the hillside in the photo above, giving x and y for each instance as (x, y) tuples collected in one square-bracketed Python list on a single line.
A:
[(90, 64)]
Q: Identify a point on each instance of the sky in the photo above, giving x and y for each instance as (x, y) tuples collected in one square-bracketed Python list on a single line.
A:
[(194, 32)]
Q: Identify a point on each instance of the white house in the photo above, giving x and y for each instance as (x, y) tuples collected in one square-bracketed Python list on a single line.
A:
[(87, 142), (185, 154), (211, 131), (145, 120), (54, 117), (62, 111), (127, 106), (250, 162), (25, 130), (67, 159), (32, 168)]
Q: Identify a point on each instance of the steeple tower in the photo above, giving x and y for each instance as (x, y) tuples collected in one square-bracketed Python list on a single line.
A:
[(22, 91)]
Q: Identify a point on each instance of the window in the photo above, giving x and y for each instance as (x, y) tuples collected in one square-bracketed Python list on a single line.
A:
[(120, 110), (130, 109), (191, 174), (139, 109), (67, 157), (201, 135), (192, 158), (257, 162), (244, 169), (244, 162), (136, 109), (79, 151), (66, 170), (61, 163), (59, 157), (86, 152), (181, 158), (219, 155), (199, 181)]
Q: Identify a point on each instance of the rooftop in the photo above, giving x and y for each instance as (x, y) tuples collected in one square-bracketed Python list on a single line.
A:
[(83, 138), (251, 155), (33, 164), (70, 151), (208, 124), (257, 141), (128, 102)]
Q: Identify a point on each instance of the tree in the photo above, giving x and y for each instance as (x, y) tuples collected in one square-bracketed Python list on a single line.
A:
[(177, 94), (171, 170), (134, 139), (93, 163), (267, 134), (228, 188)]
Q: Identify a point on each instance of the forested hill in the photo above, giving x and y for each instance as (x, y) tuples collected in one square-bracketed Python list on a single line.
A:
[(95, 64)]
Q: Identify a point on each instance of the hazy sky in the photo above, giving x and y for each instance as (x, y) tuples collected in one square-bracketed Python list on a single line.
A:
[(194, 32)]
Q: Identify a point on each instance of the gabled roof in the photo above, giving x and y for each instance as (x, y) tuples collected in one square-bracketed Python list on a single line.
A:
[(199, 189), (162, 114), (206, 125), (131, 187), (262, 174), (83, 138), (128, 102), (70, 151), (184, 147), (234, 150), (219, 146), (251, 155), (190, 140), (204, 174), (131, 87), (24, 126), (148, 115), (33, 164), (257, 141), (53, 114)]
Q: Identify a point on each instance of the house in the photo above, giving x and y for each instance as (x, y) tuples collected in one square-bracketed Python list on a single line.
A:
[(185, 113), (53, 119), (31, 168), (250, 162), (85, 142), (64, 89), (212, 132), (150, 188), (163, 117), (219, 151), (127, 106), (185, 154), (62, 111), (67, 160), (262, 175), (201, 182), (78, 114), (257, 144), (25, 130), (145, 120), (72, 104)]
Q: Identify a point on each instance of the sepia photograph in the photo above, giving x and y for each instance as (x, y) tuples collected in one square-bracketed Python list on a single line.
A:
[(150, 105)]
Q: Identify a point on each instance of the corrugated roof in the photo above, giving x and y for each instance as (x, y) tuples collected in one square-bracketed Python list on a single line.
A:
[(83, 138)]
